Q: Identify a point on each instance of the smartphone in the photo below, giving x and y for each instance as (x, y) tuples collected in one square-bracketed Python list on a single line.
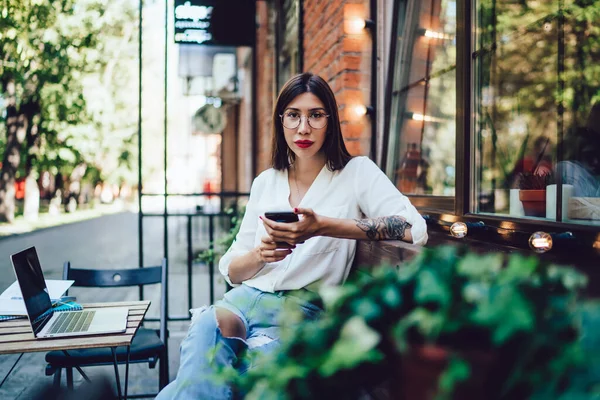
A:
[(282, 216)]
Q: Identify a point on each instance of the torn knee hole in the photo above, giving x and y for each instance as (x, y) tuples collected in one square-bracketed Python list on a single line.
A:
[(230, 325)]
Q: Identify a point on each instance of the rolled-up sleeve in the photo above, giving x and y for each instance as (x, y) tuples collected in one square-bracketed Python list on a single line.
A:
[(244, 240), (378, 197)]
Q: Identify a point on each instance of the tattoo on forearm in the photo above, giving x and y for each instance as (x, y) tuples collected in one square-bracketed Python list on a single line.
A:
[(382, 228)]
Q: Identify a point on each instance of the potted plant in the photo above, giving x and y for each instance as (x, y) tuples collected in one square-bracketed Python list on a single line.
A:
[(449, 324), (532, 192)]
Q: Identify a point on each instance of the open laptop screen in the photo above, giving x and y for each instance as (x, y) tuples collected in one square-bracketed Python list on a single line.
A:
[(33, 287)]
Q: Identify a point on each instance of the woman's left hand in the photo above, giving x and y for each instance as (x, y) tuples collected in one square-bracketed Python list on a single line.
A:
[(294, 232)]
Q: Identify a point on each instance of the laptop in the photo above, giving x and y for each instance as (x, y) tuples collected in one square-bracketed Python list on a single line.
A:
[(47, 323)]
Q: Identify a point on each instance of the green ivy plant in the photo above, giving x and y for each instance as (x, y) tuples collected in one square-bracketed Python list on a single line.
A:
[(220, 246), (518, 310)]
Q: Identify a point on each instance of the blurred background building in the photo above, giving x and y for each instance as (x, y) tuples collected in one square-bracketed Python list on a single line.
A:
[(468, 106)]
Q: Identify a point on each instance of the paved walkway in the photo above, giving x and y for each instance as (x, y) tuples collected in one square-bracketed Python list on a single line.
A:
[(110, 242)]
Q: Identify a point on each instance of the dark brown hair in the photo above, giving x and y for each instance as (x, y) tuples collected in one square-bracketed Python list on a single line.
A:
[(334, 148)]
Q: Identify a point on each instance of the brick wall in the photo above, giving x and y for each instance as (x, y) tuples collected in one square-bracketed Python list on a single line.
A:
[(265, 83), (244, 136), (344, 60)]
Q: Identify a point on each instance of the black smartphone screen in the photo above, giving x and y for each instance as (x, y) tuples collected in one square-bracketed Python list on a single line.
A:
[(282, 216)]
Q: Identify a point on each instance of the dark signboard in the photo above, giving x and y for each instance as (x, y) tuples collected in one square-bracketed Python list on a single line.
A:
[(215, 22)]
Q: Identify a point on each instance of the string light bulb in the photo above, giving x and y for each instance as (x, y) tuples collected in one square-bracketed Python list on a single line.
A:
[(540, 242), (426, 118), (459, 230), (437, 35)]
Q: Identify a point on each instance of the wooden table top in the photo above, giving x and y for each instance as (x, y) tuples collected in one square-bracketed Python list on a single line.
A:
[(16, 335)]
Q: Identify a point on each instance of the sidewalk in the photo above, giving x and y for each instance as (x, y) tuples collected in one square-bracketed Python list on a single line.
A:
[(45, 220)]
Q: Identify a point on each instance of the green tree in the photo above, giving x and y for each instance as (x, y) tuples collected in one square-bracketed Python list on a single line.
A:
[(50, 52), (520, 44)]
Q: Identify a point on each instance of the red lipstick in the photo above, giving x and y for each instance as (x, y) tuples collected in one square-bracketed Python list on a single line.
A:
[(304, 144)]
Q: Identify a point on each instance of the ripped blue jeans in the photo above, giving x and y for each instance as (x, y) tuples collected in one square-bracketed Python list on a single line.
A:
[(204, 349)]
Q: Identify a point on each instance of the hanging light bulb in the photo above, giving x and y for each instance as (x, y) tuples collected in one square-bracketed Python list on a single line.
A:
[(540, 242)]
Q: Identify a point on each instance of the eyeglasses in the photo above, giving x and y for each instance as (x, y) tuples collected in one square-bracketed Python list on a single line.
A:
[(316, 120)]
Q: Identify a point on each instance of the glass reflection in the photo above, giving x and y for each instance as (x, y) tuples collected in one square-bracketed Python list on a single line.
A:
[(421, 149), (537, 110)]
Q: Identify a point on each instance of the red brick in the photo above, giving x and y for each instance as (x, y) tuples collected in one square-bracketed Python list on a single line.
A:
[(351, 62), (354, 147), (348, 96), (354, 130), (353, 44), (354, 10), (352, 80)]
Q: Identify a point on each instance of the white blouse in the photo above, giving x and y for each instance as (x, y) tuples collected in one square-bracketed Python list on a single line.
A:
[(360, 189)]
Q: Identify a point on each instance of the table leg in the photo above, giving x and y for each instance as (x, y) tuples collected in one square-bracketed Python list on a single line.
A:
[(114, 353), (127, 371), (69, 378), (78, 368), (11, 370)]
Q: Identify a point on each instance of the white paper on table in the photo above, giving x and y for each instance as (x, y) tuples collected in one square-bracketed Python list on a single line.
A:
[(56, 288), (11, 300), (12, 307)]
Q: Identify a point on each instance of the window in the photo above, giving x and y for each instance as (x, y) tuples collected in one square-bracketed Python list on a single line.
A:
[(536, 81), (420, 157), (289, 58)]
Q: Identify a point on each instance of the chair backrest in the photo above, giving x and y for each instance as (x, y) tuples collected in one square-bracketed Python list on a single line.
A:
[(125, 277), (112, 277)]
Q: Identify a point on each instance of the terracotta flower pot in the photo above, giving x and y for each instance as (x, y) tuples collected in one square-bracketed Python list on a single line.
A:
[(534, 202), (420, 369)]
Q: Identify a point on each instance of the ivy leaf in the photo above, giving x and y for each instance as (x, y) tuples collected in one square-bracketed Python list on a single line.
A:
[(428, 323), (332, 295), (458, 370), (505, 312), (569, 278), (430, 288), (357, 344), (480, 267), (519, 268), (391, 296)]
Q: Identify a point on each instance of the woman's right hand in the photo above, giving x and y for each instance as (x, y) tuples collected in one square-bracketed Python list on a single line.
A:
[(269, 252)]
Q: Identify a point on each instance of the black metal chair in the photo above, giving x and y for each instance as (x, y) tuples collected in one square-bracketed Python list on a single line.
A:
[(148, 345)]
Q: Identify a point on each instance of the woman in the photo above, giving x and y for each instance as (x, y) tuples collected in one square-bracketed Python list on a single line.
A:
[(273, 263)]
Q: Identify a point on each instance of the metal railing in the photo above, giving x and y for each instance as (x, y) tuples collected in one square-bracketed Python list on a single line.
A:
[(226, 211)]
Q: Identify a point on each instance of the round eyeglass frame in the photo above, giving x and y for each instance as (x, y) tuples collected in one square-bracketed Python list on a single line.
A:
[(307, 120)]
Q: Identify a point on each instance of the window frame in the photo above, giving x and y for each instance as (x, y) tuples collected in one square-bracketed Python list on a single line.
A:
[(442, 203), (461, 207), (280, 22)]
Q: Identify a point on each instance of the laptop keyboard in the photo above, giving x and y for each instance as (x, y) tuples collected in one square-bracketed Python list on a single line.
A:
[(68, 322)]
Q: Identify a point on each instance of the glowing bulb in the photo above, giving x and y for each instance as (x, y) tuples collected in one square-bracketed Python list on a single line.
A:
[(354, 26), (459, 230), (360, 110), (436, 35), (426, 118), (540, 242)]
